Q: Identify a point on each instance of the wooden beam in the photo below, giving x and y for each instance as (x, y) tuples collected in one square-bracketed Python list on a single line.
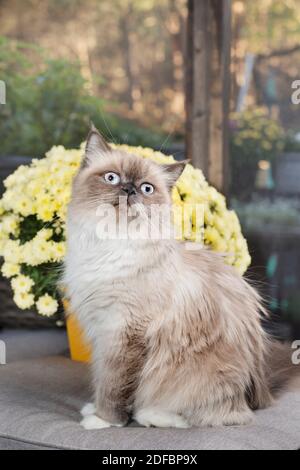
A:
[(207, 87), (220, 93), (197, 84)]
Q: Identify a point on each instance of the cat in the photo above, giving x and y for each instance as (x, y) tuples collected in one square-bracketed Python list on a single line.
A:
[(176, 334)]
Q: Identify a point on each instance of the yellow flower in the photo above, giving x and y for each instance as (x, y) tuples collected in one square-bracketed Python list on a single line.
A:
[(9, 269), (10, 224), (1, 208), (45, 214), (220, 245), (22, 284), (176, 196), (58, 251), (219, 223), (211, 235), (24, 300), (12, 251), (41, 251), (24, 205), (47, 305)]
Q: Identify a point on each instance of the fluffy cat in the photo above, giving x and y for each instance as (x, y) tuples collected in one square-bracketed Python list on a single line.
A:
[(176, 334)]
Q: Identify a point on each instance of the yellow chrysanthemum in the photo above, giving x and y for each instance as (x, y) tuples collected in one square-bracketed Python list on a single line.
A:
[(46, 305), (22, 284), (24, 300), (10, 224), (10, 270)]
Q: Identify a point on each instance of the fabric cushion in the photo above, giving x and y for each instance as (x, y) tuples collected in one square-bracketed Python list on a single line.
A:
[(39, 409)]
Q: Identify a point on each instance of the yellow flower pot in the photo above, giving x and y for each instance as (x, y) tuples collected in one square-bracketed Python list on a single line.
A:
[(79, 348)]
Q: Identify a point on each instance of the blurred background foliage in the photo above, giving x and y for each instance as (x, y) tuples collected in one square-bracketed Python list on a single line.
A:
[(121, 63), (50, 104), (269, 31), (254, 138), (269, 25), (129, 54)]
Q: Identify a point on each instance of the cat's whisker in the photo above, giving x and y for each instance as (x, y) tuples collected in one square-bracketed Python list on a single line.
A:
[(107, 127)]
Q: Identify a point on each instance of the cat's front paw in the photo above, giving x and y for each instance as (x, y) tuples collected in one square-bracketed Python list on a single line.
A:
[(88, 409), (90, 422), (238, 418), (159, 418)]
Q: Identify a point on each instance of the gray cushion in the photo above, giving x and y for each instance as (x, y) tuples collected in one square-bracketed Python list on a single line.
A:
[(40, 399)]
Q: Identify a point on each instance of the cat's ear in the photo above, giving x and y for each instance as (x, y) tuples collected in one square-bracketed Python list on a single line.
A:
[(96, 145), (173, 171)]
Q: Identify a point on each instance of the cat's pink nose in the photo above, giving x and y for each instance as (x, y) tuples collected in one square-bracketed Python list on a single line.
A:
[(129, 189)]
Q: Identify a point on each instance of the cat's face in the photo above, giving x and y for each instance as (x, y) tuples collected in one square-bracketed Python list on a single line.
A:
[(107, 175)]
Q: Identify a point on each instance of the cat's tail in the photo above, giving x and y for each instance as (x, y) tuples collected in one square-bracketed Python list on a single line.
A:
[(273, 375), (282, 366)]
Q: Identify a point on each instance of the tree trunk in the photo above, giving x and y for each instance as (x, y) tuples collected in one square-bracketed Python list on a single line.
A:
[(207, 87)]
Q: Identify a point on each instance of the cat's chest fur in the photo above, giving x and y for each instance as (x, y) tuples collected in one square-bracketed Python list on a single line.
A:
[(105, 279)]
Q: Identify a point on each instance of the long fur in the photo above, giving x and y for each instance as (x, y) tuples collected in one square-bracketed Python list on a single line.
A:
[(177, 336)]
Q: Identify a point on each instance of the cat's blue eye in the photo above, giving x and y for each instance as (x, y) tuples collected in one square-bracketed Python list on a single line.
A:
[(147, 189), (112, 178)]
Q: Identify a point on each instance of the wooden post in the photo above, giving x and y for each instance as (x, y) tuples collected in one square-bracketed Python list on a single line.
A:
[(197, 84), (207, 87)]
